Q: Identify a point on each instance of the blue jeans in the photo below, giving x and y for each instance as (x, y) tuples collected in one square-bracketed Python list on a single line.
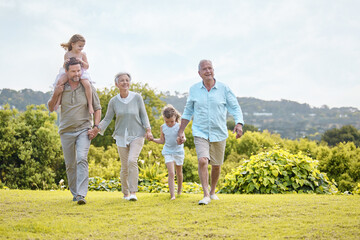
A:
[(75, 147)]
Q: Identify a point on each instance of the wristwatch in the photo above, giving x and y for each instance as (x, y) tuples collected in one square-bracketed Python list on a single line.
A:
[(96, 126)]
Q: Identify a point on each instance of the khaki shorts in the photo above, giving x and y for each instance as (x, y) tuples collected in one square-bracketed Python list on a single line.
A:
[(214, 151)]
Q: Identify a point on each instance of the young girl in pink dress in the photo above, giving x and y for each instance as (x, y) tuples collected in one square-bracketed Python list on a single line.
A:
[(74, 49)]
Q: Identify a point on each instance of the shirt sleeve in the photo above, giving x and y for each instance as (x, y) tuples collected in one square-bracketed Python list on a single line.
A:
[(189, 107), (110, 113), (143, 114), (233, 107)]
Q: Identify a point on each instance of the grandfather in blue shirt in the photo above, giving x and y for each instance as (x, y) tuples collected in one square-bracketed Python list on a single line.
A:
[(208, 104)]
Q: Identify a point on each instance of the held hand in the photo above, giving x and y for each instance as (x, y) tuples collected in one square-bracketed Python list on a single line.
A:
[(149, 136), (181, 138), (92, 133), (238, 130)]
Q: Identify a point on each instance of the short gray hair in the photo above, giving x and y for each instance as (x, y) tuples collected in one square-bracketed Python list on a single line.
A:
[(120, 74), (202, 61)]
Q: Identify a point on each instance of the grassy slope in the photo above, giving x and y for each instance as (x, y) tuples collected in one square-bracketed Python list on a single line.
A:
[(52, 215)]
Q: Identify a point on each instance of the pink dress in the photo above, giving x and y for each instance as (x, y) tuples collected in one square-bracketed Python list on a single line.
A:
[(84, 75)]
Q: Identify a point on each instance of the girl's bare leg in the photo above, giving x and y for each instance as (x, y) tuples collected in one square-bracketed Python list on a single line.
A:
[(88, 93), (179, 178), (171, 182)]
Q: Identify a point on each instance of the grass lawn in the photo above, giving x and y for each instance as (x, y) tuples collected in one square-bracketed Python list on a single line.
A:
[(53, 215)]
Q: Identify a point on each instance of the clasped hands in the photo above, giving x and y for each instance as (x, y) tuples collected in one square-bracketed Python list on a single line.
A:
[(92, 133), (181, 138)]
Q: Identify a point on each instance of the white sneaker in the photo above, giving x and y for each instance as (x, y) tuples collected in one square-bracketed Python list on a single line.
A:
[(214, 197), (127, 198), (205, 201), (132, 198)]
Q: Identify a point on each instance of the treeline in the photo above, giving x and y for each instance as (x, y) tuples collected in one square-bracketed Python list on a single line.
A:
[(21, 99), (288, 118), (31, 155)]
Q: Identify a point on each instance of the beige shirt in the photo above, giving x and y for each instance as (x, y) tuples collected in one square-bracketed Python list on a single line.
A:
[(74, 114)]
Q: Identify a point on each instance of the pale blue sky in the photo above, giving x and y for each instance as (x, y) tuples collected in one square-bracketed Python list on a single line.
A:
[(306, 51)]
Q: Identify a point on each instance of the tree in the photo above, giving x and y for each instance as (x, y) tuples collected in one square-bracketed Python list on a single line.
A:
[(30, 148), (347, 133)]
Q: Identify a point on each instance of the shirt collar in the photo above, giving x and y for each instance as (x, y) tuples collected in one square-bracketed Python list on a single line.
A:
[(67, 85), (203, 86)]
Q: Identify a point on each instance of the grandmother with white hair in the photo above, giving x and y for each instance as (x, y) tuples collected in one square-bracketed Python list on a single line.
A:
[(131, 127)]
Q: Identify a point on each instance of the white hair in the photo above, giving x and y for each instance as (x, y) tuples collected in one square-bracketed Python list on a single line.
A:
[(202, 61), (120, 74)]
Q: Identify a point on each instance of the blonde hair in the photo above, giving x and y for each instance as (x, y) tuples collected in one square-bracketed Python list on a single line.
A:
[(120, 74), (169, 111), (75, 38)]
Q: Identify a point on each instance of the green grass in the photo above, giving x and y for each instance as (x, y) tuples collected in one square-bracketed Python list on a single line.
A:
[(52, 215)]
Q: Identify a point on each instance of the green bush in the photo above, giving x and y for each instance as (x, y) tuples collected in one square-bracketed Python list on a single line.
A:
[(357, 189), (104, 163), (190, 167), (100, 184), (278, 171), (30, 149), (342, 163)]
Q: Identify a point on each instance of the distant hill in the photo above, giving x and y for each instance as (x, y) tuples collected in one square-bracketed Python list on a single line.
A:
[(288, 118), (20, 99)]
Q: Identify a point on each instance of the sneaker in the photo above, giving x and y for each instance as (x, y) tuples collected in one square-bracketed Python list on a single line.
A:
[(214, 197), (205, 201), (127, 198), (74, 199), (132, 198), (80, 200)]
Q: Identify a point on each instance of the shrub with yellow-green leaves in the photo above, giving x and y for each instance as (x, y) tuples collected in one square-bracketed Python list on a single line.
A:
[(357, 189), (278, 171), (152, 179)]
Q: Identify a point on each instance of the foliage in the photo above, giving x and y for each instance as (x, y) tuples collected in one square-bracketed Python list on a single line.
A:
[(189, 143), (278, 171), (152, 178), (346, 133), (30, 149), (106, 140), (104, 162), (190, 167), (153, 105), (342, 163), (151, 154), (114, 185), (100, 184), (232, 162), (357, 189), (254, 142)]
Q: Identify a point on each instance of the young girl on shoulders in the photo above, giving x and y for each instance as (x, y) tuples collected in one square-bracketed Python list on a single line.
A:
[(172, 152), (74, 49)]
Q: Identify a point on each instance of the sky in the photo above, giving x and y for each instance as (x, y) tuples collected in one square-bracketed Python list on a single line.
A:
[(305, 51)]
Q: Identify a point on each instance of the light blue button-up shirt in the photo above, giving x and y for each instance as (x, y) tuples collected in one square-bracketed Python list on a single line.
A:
[(209, 109)]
